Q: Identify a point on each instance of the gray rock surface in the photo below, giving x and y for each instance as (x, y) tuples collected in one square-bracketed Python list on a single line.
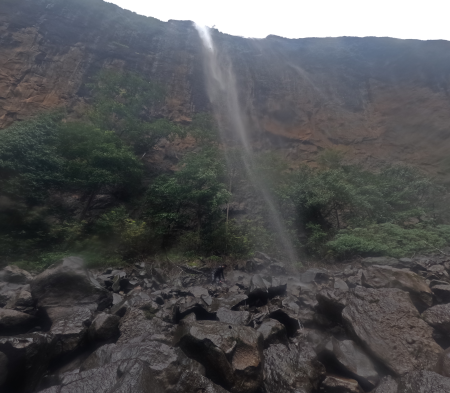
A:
[(15, 275), (389, 327), (104, 327), (337, 384), (438, 317), (423, 382), (382, 261), (15, 322), (273, 332), (291, 369), (231, 354), (389, 277), (233, 317), (386, 385), (443, 364)]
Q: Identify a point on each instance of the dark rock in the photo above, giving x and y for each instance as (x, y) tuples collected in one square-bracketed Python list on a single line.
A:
[(198, 292), (68, 283), (277, 269), (442, 293), (116, 283), (389, 277), (438, 317), (193, 305), (259, 290), (231, 302), (277, 287), (273, 332), (233, 317), (104, 327), (28, 357), (337, 384), (386, 385), (389, 327), (15, 275), (22, 300), (9, 291), (138, 326), (288, 316), (293, 369), (443, 364), (347, 358), (69, 327), (15, 322), (231, 354), (354, 281), (3, 368), (423, 382), (315, 275), (332, 301)]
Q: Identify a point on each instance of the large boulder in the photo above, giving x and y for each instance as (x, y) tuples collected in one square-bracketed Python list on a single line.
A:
[(438, 317), (388, 325), (350, 360), (104, 327), (442, 293), (291, 369), (233, 317), (273, 332), (232, 354), (443, 364), (67, 284), (28, 358), (423, 382), (389, 277), (15, 322), (15, 275), (386, 385)]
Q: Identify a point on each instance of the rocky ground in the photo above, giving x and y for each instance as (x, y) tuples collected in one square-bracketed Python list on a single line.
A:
[(379, 325)]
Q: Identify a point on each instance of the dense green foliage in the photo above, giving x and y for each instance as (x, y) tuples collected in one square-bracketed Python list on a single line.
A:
[(54, 174)]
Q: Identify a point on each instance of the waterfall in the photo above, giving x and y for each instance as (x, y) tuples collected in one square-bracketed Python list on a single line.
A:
[(233, 123)]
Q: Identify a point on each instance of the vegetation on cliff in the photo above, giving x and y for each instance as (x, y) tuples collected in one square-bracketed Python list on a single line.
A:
[(337, 210)]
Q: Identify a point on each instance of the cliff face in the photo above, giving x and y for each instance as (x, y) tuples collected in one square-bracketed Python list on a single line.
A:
[(385, 99)]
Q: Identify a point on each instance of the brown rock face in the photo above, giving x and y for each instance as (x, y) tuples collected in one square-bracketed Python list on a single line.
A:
[(383, 98), (389, 326)]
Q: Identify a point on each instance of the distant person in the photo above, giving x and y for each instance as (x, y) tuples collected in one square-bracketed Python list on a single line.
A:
[(217, 274)]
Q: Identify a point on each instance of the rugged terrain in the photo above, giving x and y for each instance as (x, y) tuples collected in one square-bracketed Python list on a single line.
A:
[(377, 325), (384, 99)]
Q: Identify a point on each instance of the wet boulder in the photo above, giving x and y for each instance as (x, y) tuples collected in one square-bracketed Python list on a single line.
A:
[(332, 301), (15, 322), (15, 275), (347, 358), (232, 355), (288, 315), (28, 358), (291, 369), (438, 317), (67, 284), (104, 327), (442, 293), (338, 384), (273, 332), (69, 327), (388, 325), (386, 385), (233, 317), (259, 290), (423, 382), (389, 277)]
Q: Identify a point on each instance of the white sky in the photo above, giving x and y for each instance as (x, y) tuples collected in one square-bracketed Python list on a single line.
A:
[(420, 19)]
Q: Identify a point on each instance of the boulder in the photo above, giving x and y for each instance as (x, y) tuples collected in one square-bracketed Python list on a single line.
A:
[(278, 286), (340, 284), (443, 364), (388, 325), (423, 382), (104, 327), (389, 277), (288, 316), (15, 322), (192, 305), (232, 355), (291, 369), (67, 284), (318, 276), (9, 291), (28, 358), (231, 302), (347, 358), (438, 317), (386, 385), (15, 275), (259, 290), (273, 332), (233, 317), (332, 301), (22, 300), (337, 384), (69, 327), (442, 293)]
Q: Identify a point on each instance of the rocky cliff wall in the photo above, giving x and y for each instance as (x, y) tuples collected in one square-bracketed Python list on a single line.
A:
[(382, 98)]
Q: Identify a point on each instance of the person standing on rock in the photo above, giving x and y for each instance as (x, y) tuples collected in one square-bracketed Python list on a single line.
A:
[(217, 274)]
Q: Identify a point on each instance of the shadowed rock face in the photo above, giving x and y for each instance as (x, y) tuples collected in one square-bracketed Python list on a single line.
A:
[(423, 382), (381, 97), (389, 326), (231, 354)]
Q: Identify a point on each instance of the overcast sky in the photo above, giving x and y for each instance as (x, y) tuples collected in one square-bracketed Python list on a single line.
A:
[(421, 19)]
